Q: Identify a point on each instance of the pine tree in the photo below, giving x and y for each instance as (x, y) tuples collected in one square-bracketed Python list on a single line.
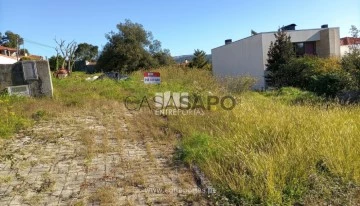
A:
[(280, 53), (199, 60)]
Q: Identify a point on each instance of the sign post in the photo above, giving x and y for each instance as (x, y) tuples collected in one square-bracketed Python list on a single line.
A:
[(152, 78)]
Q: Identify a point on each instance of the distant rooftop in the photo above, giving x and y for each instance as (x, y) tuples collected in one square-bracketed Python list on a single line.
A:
[(349, 41), (7, 48)]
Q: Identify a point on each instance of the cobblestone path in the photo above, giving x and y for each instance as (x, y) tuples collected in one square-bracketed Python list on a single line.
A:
[(92, 159)]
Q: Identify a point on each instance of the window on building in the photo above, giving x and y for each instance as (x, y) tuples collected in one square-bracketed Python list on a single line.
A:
[(302, 48)]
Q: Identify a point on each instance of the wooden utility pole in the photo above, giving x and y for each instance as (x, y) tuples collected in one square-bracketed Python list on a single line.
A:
[(17, 48)]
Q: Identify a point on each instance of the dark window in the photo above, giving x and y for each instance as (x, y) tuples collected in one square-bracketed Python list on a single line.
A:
[(299, 49), (302, 48)]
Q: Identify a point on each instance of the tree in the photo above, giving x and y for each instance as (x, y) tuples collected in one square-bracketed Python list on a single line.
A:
[(130, 49), (54, 62), (279, 55), (351, 61), (23, 52), (354, 32), (162, 57), (10, 39), (67, 52), (199, 60), (86, 52), (126, 50), (3, 39)]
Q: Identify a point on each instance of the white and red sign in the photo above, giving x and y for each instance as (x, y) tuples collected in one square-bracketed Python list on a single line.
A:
[(152, 78)]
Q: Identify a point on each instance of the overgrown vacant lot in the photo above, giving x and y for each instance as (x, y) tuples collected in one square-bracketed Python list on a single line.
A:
[(275, 148)]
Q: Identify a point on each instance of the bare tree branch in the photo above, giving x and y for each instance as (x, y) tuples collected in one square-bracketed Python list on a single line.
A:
[(67, 51)]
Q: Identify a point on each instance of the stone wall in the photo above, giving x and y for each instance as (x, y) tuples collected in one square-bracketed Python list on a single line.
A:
[(12, 75)]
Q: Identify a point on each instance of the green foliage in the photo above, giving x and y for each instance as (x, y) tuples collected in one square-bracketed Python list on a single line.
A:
[(24, 51), (130, 49), (163, 58), (292, 95), (351, 64), (354, 31), (351, 61), (197, 148), (10, 121), (199, 60), (86, 52), (12, 39), (323, 76), (55, 62), (328, 84), (280, 53), (25, 58)]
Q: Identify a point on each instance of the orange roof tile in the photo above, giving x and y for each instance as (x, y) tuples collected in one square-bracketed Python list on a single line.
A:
[(7, 48)]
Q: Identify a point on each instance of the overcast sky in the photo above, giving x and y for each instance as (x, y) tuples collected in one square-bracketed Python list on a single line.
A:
[(181, 26)]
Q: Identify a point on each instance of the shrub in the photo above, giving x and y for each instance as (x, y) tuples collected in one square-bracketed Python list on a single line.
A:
[(351, 63), (238, 84), (294, 95), (328, 84), (25, 58), (323, 76)]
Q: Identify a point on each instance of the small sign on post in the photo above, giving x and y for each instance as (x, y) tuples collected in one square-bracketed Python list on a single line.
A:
[(152, 78)]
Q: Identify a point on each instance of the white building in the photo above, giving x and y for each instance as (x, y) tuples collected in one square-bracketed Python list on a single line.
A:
[(248, 56), (7, 59), (7, 55)]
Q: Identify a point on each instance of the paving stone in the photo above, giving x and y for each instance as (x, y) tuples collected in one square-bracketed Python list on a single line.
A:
[(65, 177)]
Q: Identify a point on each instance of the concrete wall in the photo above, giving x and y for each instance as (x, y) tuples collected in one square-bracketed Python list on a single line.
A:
[(12, 75), (304, 35), (243, 57), (329, 44)]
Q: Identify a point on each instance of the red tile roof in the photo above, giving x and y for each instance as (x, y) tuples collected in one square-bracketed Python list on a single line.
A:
[(7, 48), (349, 41)]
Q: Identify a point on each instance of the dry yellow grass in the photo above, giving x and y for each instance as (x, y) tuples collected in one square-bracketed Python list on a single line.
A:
[(265, 151)]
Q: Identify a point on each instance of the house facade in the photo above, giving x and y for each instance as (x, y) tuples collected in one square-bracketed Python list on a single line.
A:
[(248, 56), (7, 59), (346, 43), (7, 55)]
